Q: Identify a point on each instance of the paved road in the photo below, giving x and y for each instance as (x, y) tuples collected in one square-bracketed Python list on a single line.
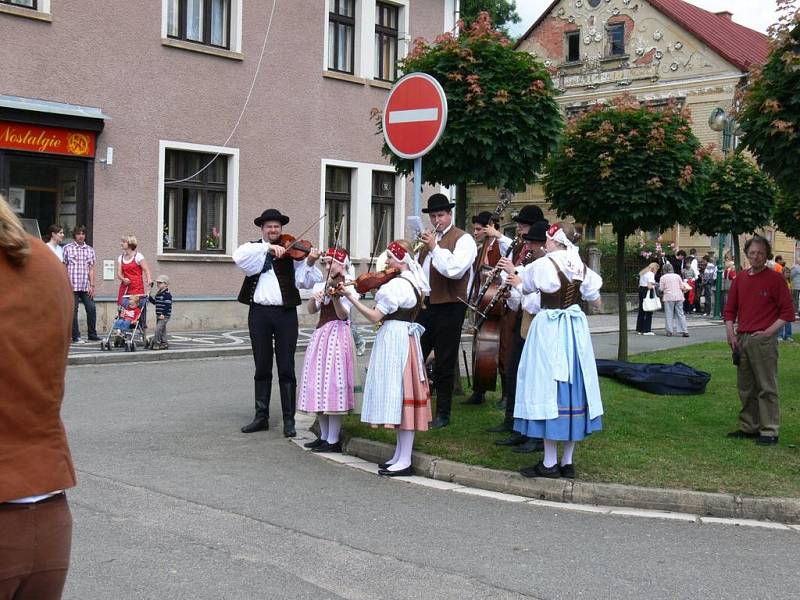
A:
[(173, 502)]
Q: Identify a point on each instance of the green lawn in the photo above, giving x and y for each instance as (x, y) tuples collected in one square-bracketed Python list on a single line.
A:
[(649, 440)]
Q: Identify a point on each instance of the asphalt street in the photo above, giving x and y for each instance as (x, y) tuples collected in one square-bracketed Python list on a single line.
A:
[(174, 502)]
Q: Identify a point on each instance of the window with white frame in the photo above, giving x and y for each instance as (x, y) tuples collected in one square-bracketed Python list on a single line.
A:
[(383, 183), (213, 23), (199, 190), (40, 6), (386, 35), (341, 35), (338, 197)]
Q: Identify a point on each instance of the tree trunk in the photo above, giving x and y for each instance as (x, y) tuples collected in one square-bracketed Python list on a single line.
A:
[(622, 346), (737, 256), (461, 205)]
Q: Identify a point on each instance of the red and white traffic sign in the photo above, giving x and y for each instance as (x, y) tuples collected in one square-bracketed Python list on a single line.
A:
[(415, 115)]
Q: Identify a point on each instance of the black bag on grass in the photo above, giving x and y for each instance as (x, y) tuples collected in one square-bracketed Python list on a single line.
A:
[(672, 380)]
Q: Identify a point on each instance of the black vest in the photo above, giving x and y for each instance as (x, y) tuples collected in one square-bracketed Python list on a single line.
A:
[(284, 271)]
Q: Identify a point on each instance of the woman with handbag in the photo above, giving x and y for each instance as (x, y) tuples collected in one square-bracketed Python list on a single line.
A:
[(647, 284), (672, 287)]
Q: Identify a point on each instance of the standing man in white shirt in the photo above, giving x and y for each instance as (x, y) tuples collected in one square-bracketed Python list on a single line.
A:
[(270, 289), (446, 259)]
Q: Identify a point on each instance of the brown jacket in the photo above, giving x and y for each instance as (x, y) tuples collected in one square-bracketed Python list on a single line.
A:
[(444, 289), (35, 326)]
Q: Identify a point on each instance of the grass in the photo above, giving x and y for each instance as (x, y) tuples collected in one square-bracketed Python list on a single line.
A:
[(650, 440)]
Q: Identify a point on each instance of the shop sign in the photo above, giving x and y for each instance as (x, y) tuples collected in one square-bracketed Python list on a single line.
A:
[(48, 140)]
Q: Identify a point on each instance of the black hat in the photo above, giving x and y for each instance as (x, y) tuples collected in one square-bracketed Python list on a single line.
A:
[(529, 215), (537, 232), (271, 214), (482, 218), (438, 202)]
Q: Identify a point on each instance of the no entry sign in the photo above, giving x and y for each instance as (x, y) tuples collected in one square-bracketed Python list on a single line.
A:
[(415, 115)]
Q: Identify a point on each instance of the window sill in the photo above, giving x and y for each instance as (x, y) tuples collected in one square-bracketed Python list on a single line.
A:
[(378, 83), (202, 49), (614, 57), (344, 77), (208, 258), (27, 13)]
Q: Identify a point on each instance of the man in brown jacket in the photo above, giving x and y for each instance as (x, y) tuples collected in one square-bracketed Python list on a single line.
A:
[(35, 463)]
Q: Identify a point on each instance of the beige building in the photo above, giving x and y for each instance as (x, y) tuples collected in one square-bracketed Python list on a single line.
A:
[(653, 49), (180, 121)]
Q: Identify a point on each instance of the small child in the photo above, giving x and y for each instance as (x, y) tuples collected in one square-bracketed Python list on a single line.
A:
[(163, 302), (129, 313)]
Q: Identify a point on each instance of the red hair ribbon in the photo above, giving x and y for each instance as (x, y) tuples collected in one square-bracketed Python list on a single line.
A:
[(397, 251), (337, 254)]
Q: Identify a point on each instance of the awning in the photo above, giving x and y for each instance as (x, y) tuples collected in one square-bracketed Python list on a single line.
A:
[(46, 112)]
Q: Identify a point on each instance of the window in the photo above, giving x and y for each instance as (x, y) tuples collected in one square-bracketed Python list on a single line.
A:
[(341, 35), (195, 210), (616, 40), (337, 204), (386, 33), (382, 209), (202, 21), (573, 39), (23, 3)]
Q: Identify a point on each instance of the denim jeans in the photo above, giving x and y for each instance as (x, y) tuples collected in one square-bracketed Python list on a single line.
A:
[(91, 315)]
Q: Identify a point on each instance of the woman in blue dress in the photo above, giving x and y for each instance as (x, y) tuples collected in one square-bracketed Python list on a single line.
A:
[(558, 393)]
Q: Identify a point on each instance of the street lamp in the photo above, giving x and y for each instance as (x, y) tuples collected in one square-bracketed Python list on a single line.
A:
[(719, 120)]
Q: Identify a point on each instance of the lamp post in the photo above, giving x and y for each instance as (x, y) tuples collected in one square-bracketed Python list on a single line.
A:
[(719, 120)]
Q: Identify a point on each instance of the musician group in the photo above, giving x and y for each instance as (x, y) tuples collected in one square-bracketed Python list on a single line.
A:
[(526, 293)]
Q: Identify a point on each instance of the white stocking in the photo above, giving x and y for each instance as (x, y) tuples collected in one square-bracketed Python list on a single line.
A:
[(405, 442), (334, 427), (550, 453), (323, 426), (566, 457), (396, 454)]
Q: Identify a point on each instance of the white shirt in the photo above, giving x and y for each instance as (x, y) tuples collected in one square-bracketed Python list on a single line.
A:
[(58, 250), (136, 257), (648, 279), (396, 294), (250, 259), (453, 264), (541, 275), (344, 302), (531, 302)]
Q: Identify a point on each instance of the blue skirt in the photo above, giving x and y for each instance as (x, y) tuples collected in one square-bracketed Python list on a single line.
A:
[(573, 423)]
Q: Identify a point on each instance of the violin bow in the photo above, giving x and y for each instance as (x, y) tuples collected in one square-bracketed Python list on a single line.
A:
[(307, 229), (337, 231), (377, 241)]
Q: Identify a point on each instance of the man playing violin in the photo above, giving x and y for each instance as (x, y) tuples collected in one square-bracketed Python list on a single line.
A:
[(270, 289), (446, 258)]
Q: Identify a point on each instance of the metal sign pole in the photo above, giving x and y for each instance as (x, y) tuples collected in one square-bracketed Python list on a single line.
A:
[(417, 184)]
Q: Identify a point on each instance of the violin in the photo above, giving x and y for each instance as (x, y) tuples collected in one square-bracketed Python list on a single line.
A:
[(366, 282), (295, 249)]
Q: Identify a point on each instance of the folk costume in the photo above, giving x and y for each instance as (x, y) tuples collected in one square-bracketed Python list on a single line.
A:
[(559, 391), (270, 289), (326, 387), (447, 268)]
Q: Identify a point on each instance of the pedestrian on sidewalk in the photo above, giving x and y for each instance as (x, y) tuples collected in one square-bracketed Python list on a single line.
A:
[(35, 462), (134, 275), (794, 276), (785, 334), (760, 304), (708, 276), (163, 303), (672, 288), (327, 384), (80, 259), (728, 275), (647, 282), (54, 236)]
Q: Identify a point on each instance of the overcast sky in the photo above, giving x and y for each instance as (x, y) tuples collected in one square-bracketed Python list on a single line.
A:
[(756, 14)]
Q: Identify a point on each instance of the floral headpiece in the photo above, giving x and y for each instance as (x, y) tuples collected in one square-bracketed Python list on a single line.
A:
[(338, 255), (397, 251)]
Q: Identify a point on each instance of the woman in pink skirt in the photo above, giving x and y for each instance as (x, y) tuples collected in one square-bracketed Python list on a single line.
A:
[(326, 388)]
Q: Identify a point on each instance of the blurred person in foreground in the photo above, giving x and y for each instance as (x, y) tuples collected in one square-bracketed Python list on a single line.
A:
[(35, 462)]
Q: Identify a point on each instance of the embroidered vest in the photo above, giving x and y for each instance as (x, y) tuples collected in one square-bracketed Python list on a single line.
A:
[(327, 312), (406, 314), (567, 295), (284, 271)]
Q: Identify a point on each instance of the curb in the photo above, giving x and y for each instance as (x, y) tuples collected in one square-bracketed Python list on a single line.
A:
[(730, 506), (108, 358)]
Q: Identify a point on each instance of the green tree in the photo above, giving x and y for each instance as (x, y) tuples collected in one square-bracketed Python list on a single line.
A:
[(737, 198), (787, 214), (629, 165), (770, 116), (501, 12), (502, 119)]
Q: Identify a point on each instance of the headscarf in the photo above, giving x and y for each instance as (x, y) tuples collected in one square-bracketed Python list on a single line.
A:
[(572, 263), (400, 254)]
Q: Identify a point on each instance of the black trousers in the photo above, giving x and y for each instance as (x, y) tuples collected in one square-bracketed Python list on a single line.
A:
[(442, 323), (644, 320), (512, 367), (278, 324)]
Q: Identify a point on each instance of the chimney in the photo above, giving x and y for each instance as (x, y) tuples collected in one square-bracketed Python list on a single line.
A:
[(725, 14)]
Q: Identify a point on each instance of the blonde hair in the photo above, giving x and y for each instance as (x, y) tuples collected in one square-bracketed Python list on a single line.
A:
[(13, 238), (649, 268), (131, 241)]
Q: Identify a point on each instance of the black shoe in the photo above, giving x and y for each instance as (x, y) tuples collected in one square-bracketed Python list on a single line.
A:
[(475, 398), (516, 439), (531, 445), (328, 447), (401, 473), (385, 465), (315, 444), (742, 435), (288, 427), (93, 338), (567, 471), (767, 440), (539, 470), (258, 424), (501, 404), (504, 427), (439, 422)]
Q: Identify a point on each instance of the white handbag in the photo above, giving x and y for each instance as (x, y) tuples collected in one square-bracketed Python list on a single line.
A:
[(651, 302)]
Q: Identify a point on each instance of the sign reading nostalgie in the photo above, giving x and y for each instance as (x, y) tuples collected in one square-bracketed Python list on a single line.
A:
[(48, 140)]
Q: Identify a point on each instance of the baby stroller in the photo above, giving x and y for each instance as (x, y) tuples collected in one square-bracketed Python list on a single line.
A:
[(126, 327)]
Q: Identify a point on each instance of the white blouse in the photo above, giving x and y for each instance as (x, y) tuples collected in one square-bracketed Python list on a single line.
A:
[(396, 294), (541, 275), (319, 287), (648, 279)]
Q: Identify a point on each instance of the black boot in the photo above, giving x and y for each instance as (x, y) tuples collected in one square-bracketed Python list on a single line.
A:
[(505, 427), (261, 420), (288, 403), (475, 398), (516, 439), (440, 421)]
